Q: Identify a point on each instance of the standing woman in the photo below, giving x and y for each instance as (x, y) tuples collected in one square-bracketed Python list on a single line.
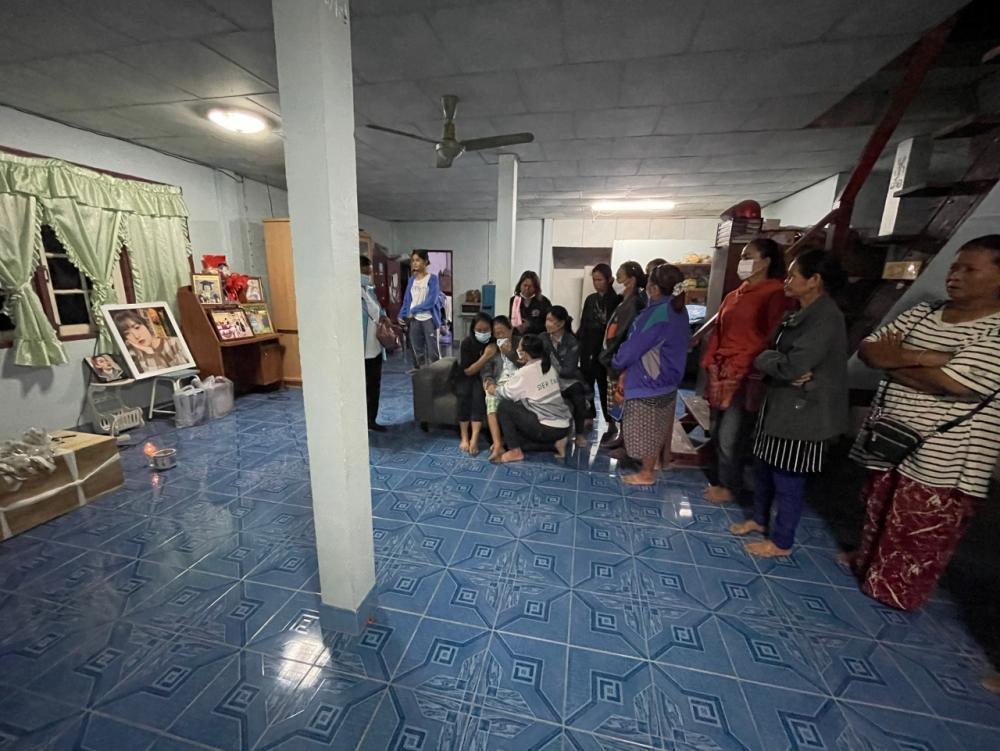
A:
[(598, 306), (746, 319), (371, 315), (532, 413), (476, 351), (805, 406), (632, 279), (528, 306), (942, 364), (564, 352), (653, 359), (422, 310)]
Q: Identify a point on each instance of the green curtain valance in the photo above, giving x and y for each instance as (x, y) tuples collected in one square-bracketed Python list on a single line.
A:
[(53, 178), (92, 214)]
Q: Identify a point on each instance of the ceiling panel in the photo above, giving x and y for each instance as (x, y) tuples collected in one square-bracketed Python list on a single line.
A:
[(251, 50), (192, 67), (628, 29), (155, 20), (700, 99)]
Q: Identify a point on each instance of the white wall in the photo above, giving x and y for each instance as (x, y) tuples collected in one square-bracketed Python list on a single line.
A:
[(381, 231), (471, 244), (805, 208), (225, 217)]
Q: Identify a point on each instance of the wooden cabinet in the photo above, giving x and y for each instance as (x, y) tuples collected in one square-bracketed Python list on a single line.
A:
[(281, 283), (246, 362)]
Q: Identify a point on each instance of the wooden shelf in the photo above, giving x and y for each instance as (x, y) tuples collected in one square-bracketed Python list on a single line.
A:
[(246, 362), (967, 127), (943, 190), (252, 340)]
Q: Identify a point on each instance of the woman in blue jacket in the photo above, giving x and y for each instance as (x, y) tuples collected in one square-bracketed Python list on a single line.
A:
[(422, 310), (652, 358)]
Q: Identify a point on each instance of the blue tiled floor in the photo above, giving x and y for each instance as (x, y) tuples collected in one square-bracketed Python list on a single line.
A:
[(538, 606)]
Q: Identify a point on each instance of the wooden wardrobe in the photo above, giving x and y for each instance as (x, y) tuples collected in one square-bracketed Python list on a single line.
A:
[(281, 283)]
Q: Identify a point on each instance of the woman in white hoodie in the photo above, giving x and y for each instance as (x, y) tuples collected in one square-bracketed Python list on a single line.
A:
[(533, 414)]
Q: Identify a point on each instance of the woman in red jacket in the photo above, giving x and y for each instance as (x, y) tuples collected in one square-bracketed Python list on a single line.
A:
[(746, 319)]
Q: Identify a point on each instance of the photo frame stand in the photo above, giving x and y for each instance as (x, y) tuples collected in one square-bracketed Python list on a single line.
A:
[(109, 414)]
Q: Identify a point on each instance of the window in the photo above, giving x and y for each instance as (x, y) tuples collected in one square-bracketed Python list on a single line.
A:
[(65, 292)]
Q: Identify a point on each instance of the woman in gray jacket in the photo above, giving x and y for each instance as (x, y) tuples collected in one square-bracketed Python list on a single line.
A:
[(805, 369)]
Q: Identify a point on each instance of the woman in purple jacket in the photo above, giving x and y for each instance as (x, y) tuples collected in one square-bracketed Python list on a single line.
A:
[(652, 358)]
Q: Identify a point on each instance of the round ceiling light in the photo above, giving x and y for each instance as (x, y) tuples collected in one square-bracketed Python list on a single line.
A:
[(627, 205), (237, 121)]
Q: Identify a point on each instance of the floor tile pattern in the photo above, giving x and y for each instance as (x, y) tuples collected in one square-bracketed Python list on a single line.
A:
[(541, 606)]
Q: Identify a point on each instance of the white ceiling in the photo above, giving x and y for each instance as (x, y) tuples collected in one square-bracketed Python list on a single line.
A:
[(705, 102)]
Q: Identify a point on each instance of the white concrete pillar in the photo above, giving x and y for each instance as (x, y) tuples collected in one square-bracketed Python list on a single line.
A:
[(313, 40), (503, 250)]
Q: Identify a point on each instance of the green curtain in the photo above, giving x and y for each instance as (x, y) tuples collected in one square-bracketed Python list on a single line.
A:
[(35, 341), (93, 243), (158, 248), (93, 214)]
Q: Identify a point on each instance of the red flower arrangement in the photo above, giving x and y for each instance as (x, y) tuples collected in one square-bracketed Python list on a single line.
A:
[(235, 283)]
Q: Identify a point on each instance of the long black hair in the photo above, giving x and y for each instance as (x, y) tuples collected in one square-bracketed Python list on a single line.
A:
[(770, 250), (533, 347), (604, 270), (421, 254), (633, 270), (816, 261), (561, 314), (534, 280), (481, 317)]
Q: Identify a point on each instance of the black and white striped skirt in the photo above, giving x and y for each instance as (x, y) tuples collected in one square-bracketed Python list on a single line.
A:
[(788, 455)]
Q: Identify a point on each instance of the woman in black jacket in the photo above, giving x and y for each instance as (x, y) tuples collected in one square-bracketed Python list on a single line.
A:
[(597, 308), (528, 306), (476, 351), (632, 278), (564, 353)]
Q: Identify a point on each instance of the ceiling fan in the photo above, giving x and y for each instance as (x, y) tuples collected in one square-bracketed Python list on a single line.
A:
[(450, 148)]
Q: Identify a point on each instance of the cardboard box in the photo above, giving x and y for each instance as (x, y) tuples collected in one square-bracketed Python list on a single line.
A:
[(87, 466)]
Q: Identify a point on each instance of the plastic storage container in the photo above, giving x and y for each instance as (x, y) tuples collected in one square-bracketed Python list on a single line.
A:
[(220, 395), (190, 406)]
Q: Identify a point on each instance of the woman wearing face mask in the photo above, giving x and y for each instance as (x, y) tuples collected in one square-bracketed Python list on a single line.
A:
[(533, 415), (528, 306), (598, 306), (805, 407), (652, 358), (496, 373), (475, 352), (564, 351), (371, 315), (746, 319), (422, 310), (630, 280)]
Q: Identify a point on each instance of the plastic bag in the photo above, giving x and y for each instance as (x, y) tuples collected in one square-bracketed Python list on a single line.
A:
[(220, 395), (190, 406)]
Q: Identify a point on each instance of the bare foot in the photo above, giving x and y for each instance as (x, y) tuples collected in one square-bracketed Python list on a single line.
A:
[(992, 683), (514, 455), (766, 549), (473, 449), (582, 442), (639, 479), (464, 447), (847, 559), (561, 447), (741, 529), (495, 454), (718, 494)]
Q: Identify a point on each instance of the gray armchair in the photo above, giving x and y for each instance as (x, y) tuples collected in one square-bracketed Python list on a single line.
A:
[(434, 402)]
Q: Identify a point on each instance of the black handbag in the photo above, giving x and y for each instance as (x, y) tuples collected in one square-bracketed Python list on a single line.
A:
[(891, 440)]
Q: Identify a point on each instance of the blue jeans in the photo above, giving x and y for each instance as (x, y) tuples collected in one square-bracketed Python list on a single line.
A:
[(732, 439), (424, 339), (788, 490)]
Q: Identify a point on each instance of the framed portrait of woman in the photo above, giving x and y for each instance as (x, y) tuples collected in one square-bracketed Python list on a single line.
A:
[(148, 338)]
